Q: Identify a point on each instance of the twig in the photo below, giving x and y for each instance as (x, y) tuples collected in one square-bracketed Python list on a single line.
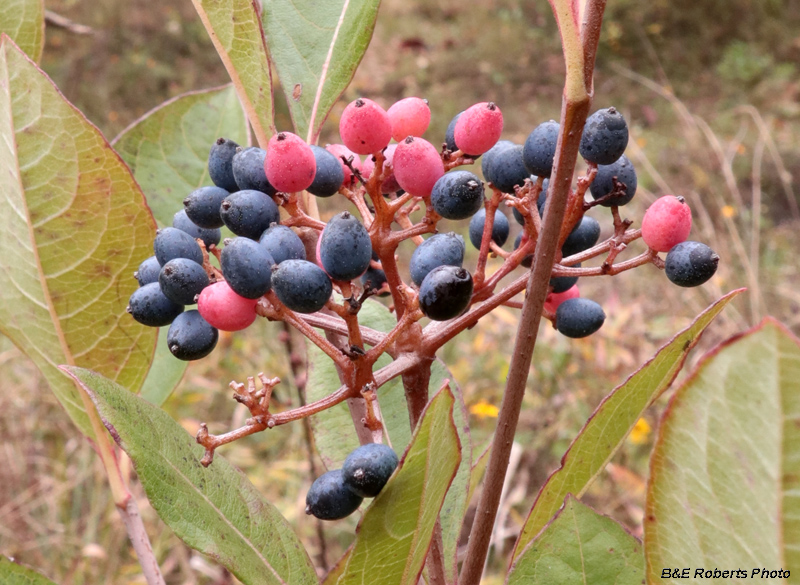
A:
[(59, 21)]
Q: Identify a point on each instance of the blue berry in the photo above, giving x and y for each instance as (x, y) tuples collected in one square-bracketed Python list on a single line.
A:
[(488, 158), (150, 307), (301, 285), (171, 243), (220, 164), (248, 213), (562, 284), (181, 280), (690, 263), (507, 169), (540, 149), (438, 250), (148, 271), (367, 469), (345, 249), (248, 170), (457, 195), (190, 337), (375, 278), (329, 176), (527, 261), (283, 244), (500, 228), (329, 499), (246, 266), (584, 236), (450, 137), (202, 206), (445, 293), (605, 137), (182, 222), (579, 317), (603, 183)]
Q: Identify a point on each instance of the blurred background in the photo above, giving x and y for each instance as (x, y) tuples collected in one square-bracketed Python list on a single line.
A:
[(711, 92)]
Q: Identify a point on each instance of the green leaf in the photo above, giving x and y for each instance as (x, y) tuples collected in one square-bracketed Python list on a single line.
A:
[(235, 29), (316, 48), (611, 422), (577, 547), (167, 148), (13, 574), (393, 537), (215, 510), (165, 372), (74, 230), (23, 21), (725, 470)]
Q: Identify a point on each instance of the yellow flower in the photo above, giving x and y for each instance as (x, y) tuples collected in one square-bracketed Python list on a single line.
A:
[(484, 409), (641, 432), (728, 211)]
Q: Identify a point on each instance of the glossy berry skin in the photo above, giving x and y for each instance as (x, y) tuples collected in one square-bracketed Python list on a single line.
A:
[(583, 236), (339, 151), (562, 284), (488, 158), (182, 222), (500, 228), (202, 206), (578, 317), (666, 223), (224, 309), (248, 170), (247, 266), (367, 469), (181, 280), (450, 137), (438, 250), (690, 264), (507, 169), (554, 300), (150, 307), (457, 195), (190, 337), (329, 175), (539, 150), (220, 164), (445, 293), (409, 117), (605, 137), (148, 271), (479, 128), (365, 127), (329, 499), (376, 279), (417, 166), (283, 244), (603, 183), (249, 213), (301, 285), (290, 165), (172, 243)]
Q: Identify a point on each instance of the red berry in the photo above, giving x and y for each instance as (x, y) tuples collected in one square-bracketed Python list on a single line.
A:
[(224, 309), (409, 117), (367, 167), (666, 223), (339, 151), (365, 127), (555, 299), (479, 128), (417, 166), (390, 183), (290, 164)]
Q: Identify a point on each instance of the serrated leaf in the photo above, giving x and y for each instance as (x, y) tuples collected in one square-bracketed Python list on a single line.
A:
[(165, 373), (75, 228), (13, 574), (393, 537), (23, 21), (725, 470), (316, 48), (167, 148), (577, 547), (611, 422), (235, 29), (215, 510)]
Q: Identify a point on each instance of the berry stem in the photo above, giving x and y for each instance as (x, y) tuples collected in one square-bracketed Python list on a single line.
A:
[(488, 226)]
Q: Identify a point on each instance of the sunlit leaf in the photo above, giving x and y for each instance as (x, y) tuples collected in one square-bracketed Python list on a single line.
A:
[(13, 574), (23, 21)]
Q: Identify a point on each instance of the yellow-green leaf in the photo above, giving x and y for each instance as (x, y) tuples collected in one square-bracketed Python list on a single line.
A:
[(13, 574), (23, 21), (74, 229), (724, 486), (611, 422)]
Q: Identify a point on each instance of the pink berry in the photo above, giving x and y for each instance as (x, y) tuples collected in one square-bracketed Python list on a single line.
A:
[(409, 117), (365, 127), (367, 167), (224, 309), (666, 223), (479, 128), (417, 166), (555, 299), (339, 151), (389, 184), (290, 165)]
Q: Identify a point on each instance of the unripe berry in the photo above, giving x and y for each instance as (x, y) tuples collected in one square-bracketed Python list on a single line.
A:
[(409, 117), (417, 166), (479, 128), (666, 223), (290, 165), (224, 309), (554, 299), (389, 184), (365, 127)]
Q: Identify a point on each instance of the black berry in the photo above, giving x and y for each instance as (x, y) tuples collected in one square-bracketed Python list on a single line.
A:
[(249, 213), (621, 171), (329, 176), (500, 228), (579, 317), (445, 293), (605, 137), (149, 306), (248, 170), (202, 206), (367, 469), (329, 499), (181, 280), (283, 244), (345, 249), (438, 250), (247, 266), (190, 337), (540, 149), (182, 222), (690, 263), (220, 164), (301, 285), (171, 243), (457, 195)]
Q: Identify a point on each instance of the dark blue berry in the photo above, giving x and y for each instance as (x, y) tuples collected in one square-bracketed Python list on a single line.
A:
[(202, 206), (457, 195), (367, 469), (488, 158), (248, 170), (181, 280), (622, 170), (246, 266), (584, 236), (329, 176), (283, 244), (605, 137), (171, 243), (445, 293), (527, 261), (562, 284), (190, 337), (182, 222), (500, 228), (150, 307), (375, 278), (329, 499), (507, 169), (690, 263), (438, 250), (249, 213), (345, 249), (148, 271), (450, 137), (220, 164), (579, 317), (301, 285), (540, 149)]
